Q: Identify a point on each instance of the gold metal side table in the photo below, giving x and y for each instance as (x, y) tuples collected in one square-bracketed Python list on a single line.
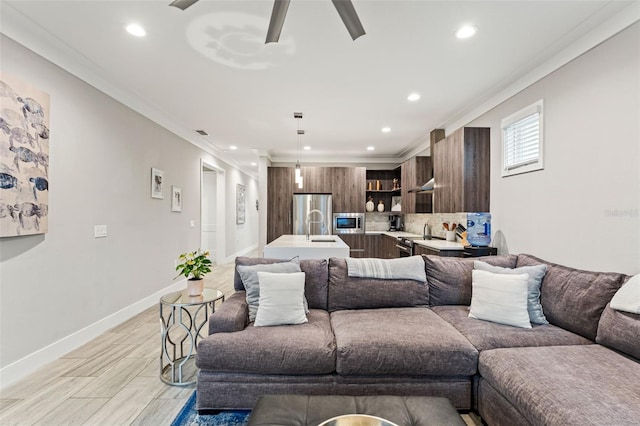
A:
[(180, 329)]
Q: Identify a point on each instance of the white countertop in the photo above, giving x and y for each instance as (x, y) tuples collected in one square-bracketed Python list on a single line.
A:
[(288, 246), (301, 241), (395, 234), (439, 244)]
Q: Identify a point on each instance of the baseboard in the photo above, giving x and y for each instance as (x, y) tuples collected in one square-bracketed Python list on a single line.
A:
[(241, 253), (30, 363)]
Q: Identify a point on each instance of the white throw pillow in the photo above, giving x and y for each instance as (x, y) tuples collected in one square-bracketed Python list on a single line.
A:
[(281, 299), (500, 298), (627, 298)]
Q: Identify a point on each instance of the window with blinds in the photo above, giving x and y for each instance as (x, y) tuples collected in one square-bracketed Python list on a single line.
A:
[(522, 141)]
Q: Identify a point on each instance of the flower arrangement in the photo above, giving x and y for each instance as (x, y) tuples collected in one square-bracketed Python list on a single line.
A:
[(194, 265)]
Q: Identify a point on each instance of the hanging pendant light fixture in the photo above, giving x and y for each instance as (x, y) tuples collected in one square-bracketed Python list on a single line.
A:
[(298, 175)]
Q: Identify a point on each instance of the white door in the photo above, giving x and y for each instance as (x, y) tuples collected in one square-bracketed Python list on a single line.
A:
[(209, 218)]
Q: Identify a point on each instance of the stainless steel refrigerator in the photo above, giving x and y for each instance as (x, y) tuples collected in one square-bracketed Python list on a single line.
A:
[(312, 214)]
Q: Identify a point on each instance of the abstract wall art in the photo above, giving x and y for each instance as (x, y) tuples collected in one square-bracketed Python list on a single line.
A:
[(241, 201), (176, 199), (24, 158), (157, 184)]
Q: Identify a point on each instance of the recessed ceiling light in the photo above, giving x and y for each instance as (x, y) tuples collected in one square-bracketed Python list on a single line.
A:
[(254, 164), (136, 30), (371, 148), (413, 97), (386, 129), (466, 31), (306, 148), (233, 147)]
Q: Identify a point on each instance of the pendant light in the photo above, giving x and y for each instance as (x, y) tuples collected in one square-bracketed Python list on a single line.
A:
[(298, 175)]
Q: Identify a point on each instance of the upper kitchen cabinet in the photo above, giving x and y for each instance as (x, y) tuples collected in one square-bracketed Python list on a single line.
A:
[(416, 172), (383, 185), (280, 182), (348, 189), (461, 167)]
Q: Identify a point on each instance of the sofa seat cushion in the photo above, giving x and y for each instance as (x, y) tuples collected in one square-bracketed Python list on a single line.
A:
[(400, 341), (307, 348), (620, 330), (566, 385), (486, 335)]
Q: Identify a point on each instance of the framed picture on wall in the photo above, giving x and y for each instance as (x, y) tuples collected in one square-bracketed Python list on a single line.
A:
[(176, 199), (241, 201), (157, 183)]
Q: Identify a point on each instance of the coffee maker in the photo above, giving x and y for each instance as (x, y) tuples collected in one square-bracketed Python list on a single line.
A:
[(395, 223)]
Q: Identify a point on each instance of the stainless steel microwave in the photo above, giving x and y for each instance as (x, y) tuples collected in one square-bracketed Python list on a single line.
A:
[(348, 223)]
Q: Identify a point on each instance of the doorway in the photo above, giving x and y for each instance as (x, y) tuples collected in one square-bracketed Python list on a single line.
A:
[(212, 235)]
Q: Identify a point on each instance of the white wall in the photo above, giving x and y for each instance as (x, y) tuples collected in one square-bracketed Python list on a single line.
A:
[(582, 210), (101, 154)]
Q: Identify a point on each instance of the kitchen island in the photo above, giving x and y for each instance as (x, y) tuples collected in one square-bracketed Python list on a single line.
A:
[(316, 247)]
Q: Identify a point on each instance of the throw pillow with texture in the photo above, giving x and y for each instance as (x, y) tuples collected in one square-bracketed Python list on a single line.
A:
[(627, 298), (500, 298), (249, 276), (536, 274), (281, 298)]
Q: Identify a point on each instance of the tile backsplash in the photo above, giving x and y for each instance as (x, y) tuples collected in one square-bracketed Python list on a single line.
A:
[(414, 223)]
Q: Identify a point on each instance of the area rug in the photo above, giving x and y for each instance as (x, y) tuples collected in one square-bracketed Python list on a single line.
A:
[(188, 416)]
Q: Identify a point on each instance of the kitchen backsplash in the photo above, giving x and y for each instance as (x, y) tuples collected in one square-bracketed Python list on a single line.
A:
[(414, 223)]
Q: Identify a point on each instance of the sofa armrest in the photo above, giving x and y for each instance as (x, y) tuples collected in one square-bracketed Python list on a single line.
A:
[(232, 315)]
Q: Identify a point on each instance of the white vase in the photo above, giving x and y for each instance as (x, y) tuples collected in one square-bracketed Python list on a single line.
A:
[(380, 207), (195, 287), (369, 206)]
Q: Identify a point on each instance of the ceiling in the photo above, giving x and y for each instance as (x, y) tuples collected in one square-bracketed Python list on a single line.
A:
[(208, 68)]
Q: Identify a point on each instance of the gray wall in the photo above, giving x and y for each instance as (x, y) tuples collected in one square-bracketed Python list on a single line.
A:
[(582, 210), (100, 160)]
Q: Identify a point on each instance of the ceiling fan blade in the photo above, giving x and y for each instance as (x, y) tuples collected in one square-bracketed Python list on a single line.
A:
[(277, 20), (182, 4), (350, 18)]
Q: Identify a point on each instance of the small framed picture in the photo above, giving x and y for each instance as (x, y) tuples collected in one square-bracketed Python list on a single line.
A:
[(176, 199), (157, 183)]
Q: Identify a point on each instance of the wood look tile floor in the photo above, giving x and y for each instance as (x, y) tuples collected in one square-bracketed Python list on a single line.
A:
[(111, 380)]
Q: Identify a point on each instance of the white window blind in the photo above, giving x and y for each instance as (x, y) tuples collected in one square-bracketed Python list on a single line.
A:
[(522, 141)]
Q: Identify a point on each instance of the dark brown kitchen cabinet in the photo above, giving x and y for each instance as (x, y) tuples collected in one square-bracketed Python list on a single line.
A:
[(373, 245), (279, 201), (461, 168), (416, 172), (348, 189), (418, 249), (356, 243), (389, 249), (315, 180)]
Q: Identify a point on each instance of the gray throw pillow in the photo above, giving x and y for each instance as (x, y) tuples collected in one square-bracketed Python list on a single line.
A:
[(536, 274), (249, 276)]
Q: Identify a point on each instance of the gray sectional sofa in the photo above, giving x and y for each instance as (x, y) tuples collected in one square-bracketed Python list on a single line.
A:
[(368, 336)]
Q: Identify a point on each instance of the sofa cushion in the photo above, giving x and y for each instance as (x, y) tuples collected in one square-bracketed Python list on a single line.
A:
[(487, 335), (500, 298), (368, 293), (620, 330), (627, 298), (536, 274), (566, 385), (316, 278), (281, 299), (287, 349), (574, 299), (449, 278), (400, 341)]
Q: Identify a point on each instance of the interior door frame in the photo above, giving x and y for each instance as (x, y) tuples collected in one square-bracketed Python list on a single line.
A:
[(221, 235)]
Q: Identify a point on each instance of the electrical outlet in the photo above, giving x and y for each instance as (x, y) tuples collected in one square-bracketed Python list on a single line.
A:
[(100, 231), (192, 223)]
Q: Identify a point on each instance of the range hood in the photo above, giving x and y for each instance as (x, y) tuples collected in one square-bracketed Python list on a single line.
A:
[(427, 188)]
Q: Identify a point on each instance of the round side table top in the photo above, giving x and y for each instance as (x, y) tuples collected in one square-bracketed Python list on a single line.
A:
[(357, 420), (181, 298)]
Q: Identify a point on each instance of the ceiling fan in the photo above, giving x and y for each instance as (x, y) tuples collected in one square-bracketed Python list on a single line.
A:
[(345, 9)]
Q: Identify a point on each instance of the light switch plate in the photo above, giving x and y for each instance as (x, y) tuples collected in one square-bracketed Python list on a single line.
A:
[(192, 223), (100, 231)]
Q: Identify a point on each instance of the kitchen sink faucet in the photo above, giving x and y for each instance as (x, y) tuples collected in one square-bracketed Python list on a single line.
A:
[(309, 222)]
